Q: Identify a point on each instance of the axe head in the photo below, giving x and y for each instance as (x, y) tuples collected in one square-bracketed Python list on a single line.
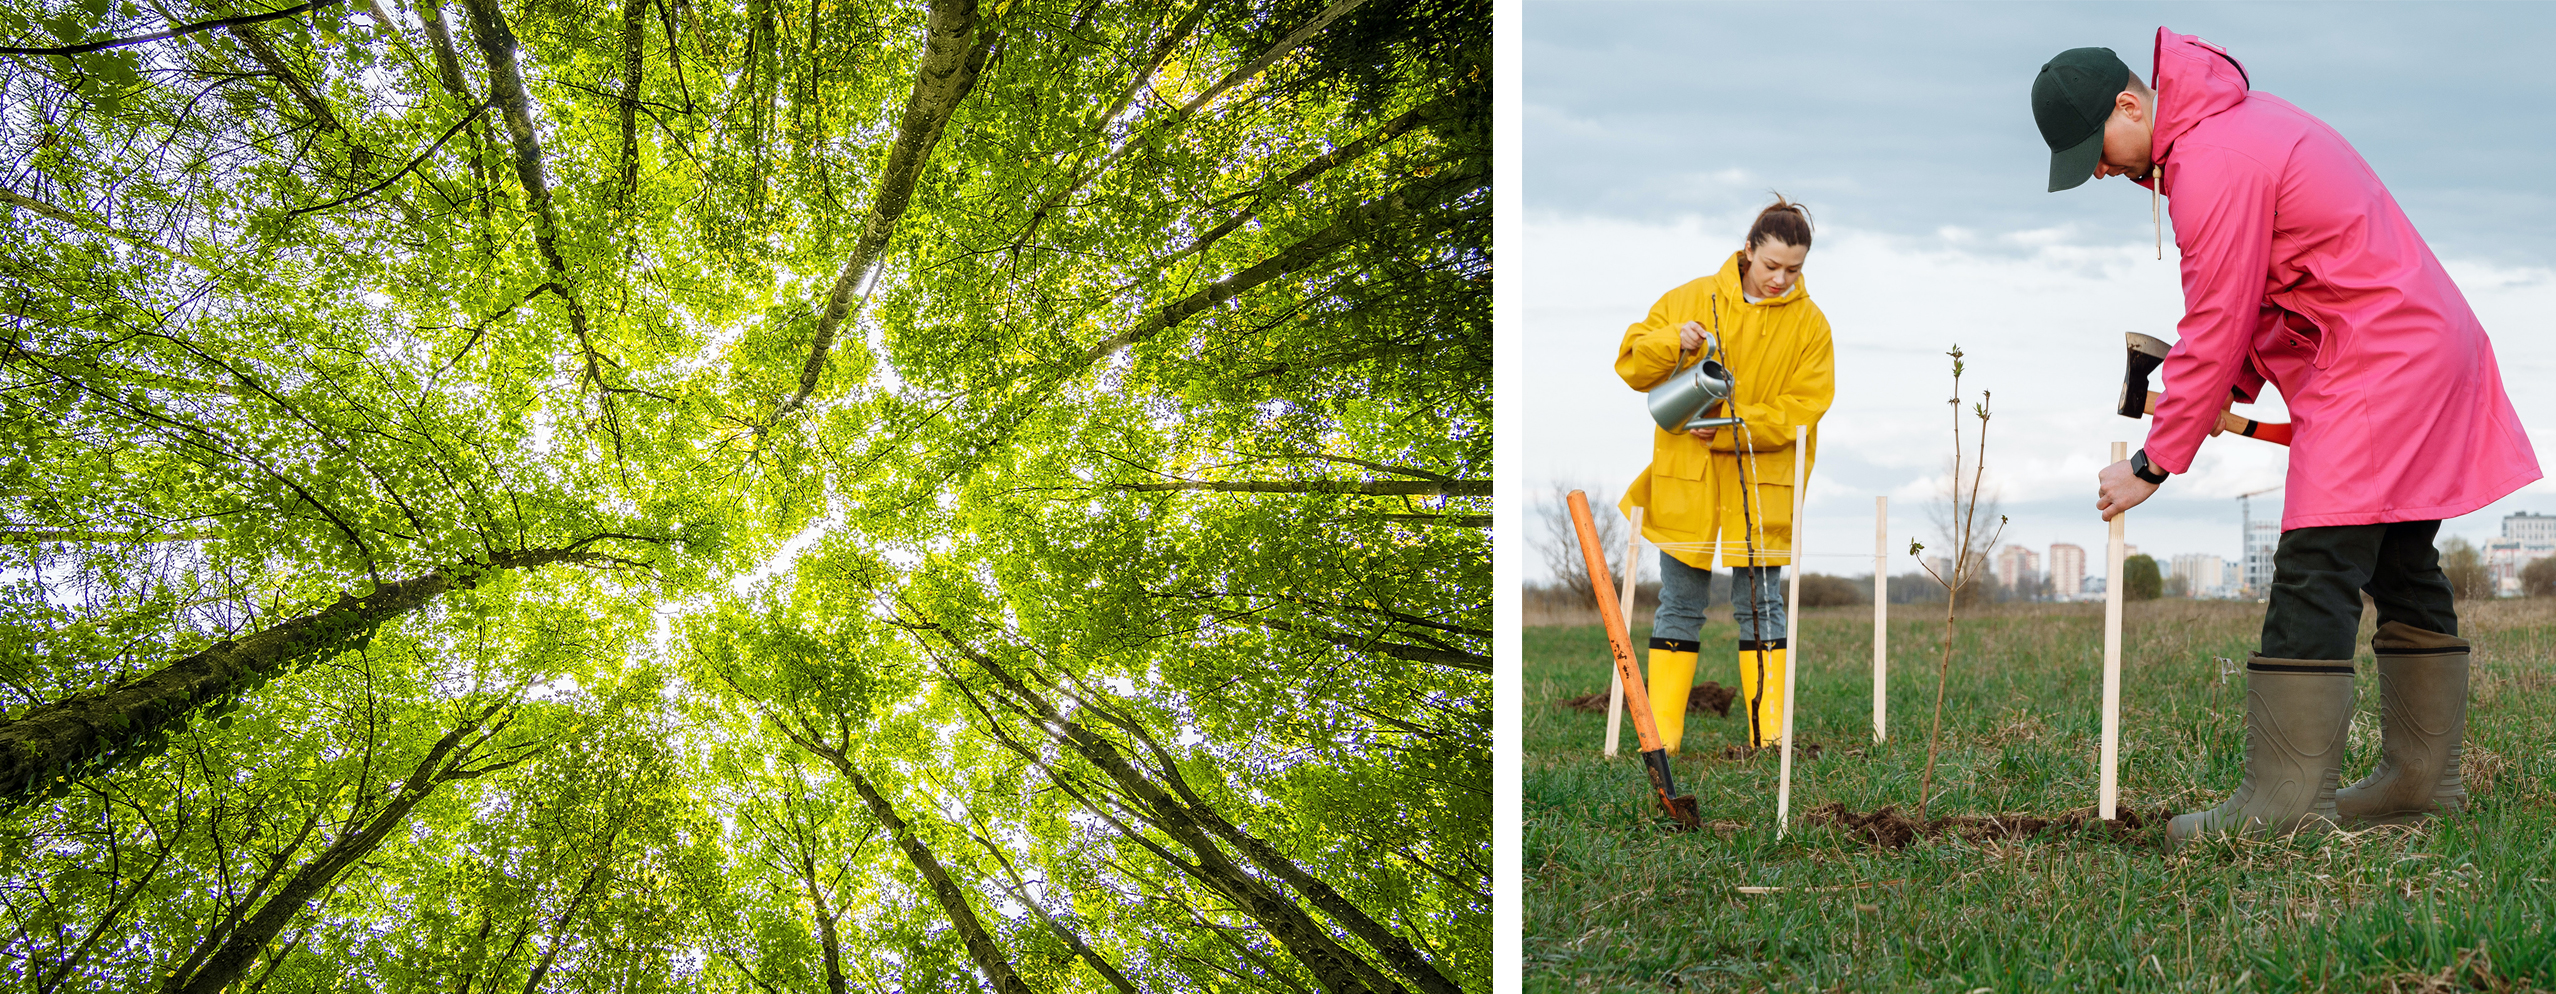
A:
[(2146, 353)]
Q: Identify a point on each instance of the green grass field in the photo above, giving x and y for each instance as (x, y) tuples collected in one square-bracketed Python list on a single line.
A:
[(1614, 902)]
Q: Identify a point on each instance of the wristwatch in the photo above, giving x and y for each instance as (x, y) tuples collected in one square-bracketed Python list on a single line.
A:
[(2140, 467)]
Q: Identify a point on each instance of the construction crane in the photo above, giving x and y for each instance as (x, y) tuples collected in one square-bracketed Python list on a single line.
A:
[(2245, 540)]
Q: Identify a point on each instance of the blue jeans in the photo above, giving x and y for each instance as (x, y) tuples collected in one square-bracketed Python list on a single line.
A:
[(1685, 592)]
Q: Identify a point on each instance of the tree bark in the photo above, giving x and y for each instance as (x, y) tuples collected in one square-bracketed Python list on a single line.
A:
[(980, 944), (497, 46), (1414, 653), (443, 764), (953, 53), (267, 56), (1370, 488), (62, 739), (1337, 968), (1324, 163), (1391, 208), (1398, 952), (634, 47), (1020, 892)]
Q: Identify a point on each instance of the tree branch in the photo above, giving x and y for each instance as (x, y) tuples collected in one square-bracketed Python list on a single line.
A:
[(186, 29), (403, 170)]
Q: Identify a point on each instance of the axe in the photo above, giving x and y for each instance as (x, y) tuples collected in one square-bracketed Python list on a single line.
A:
[(2146, 353)]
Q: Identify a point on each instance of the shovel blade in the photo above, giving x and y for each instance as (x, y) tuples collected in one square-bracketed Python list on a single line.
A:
[(1680, 807)]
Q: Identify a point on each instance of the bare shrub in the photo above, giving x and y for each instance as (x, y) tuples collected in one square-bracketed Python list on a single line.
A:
[(2465, 568), (1823, 590)]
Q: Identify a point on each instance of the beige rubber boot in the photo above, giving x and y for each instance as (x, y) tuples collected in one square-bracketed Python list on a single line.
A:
[(2422, 720), (2298, 713), (1672, 675)]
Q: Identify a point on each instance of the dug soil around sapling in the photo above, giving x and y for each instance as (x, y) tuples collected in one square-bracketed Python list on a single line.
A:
[(1889, 828), (1707, 696)]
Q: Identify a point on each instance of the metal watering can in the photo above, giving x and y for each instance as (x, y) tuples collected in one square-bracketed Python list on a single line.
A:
[(1681, 402)]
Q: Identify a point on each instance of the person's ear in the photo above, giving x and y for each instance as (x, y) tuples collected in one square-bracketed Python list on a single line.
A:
[(2127, 103)]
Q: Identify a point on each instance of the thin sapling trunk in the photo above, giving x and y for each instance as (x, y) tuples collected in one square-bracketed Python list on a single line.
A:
[(1966, 563)]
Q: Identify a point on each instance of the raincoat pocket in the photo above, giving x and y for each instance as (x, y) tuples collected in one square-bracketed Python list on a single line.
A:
[(1683, 457), (1773, 507)]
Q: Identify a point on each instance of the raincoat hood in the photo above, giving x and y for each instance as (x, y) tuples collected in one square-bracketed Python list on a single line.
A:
[(2195, 80)]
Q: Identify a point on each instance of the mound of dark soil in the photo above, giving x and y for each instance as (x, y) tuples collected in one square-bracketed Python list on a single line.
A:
[(1887, 828), (1802, 749), (1707, 696)]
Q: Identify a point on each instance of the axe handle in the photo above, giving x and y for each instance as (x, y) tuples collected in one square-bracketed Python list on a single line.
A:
[(2276, 432)]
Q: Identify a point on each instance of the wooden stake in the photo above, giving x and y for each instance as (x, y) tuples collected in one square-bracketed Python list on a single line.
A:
[(1881, 618), (2108, 794), (1615, 682), (1792, 640)]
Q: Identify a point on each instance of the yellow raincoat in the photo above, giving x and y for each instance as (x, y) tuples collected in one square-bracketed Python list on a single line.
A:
[(1782, 374)]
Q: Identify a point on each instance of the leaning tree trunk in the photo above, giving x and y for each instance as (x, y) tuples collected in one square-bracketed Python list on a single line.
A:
[(443, 764), (70, 737), (955, 45), (1340, 970), (980, 943)]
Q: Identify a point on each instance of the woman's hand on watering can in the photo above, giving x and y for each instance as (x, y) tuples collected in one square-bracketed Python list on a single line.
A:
[(1691, 337), (1702, 433)]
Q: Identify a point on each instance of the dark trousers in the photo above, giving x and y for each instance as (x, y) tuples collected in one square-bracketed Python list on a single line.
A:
[(2318, 575)]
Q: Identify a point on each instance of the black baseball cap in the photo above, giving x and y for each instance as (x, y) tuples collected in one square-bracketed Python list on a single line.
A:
[(2071, 100)]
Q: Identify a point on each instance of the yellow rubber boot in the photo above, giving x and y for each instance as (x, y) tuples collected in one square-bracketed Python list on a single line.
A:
[(1761, 666), (1672, 673)]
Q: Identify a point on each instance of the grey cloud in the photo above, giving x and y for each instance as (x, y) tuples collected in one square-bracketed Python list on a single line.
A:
[(1904, 118)]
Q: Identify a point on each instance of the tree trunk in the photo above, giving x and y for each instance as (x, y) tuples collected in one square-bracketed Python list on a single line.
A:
[(980, 944), (1448, 185), (441, 765), (1365, 488), (497, 46), (1339, 970), (67, 738), (953, 52), (634, 48), (1414, 653), (1020, 892)]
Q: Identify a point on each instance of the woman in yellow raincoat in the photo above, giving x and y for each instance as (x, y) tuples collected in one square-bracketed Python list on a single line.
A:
[(1727, 493)]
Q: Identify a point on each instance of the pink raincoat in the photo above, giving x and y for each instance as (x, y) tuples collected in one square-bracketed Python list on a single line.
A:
[(2299, 269)]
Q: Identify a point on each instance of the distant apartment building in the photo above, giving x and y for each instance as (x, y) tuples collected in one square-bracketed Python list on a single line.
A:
[(2203, 574), (2530, 527), (2067, 571), (2526, 538), (2017, 566)]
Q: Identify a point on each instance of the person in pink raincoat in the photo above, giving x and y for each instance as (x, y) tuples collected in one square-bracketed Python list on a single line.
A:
[(2300, 271)]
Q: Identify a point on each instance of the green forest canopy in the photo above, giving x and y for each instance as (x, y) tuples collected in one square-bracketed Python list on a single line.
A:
[(783, 496)]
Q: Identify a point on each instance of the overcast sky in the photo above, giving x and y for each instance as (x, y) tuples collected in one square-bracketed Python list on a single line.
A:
[(1653, 131)]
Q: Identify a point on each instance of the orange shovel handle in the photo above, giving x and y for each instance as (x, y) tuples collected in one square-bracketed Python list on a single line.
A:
[(1637, 697)]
